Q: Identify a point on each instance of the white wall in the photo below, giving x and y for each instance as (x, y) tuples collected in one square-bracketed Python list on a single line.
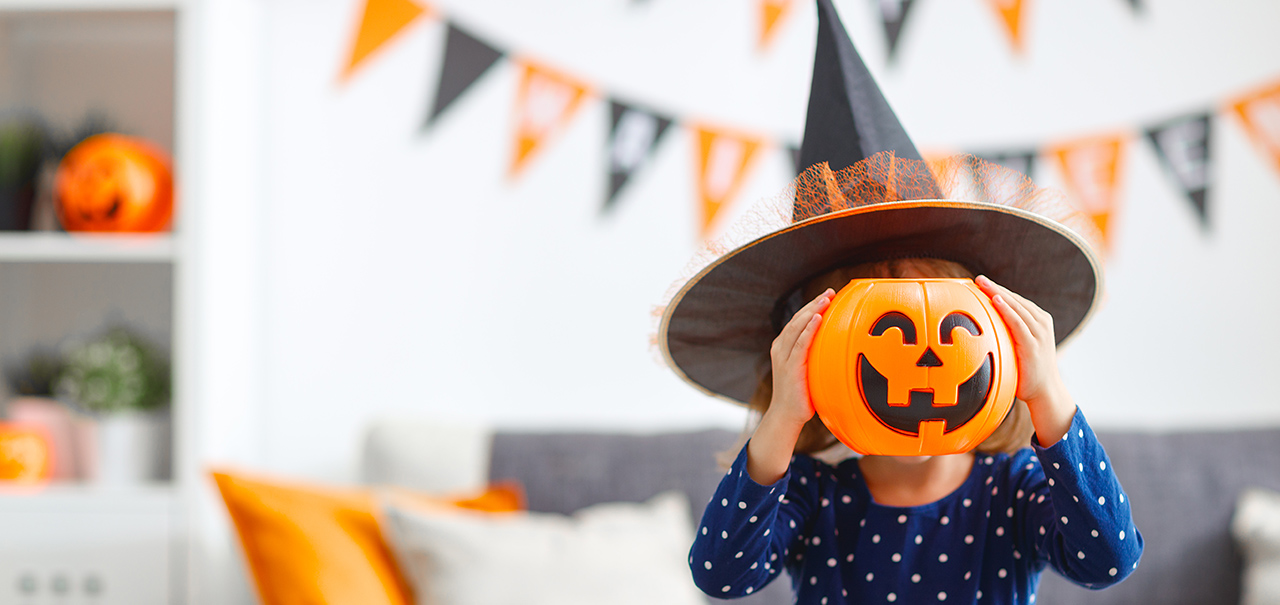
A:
[(404, 275)]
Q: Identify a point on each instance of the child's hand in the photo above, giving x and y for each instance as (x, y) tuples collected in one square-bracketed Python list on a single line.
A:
[(790, 355), (1034, 344), (769, 452)]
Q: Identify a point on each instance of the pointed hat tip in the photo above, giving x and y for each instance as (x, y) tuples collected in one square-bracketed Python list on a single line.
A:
[(848, 117)]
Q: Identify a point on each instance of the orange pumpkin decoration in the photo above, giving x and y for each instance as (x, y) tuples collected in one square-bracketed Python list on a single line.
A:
[(25, 455), (112, 182), (912, 367)]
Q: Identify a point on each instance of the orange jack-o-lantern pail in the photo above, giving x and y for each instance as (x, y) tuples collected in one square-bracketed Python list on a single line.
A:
[(112, 182), (912, 367), (25, 455)]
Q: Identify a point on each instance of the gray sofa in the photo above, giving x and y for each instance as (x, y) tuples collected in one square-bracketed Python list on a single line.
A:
[(1183, 488)]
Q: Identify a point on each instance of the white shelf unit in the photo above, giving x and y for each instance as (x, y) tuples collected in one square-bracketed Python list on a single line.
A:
[(215, 259), (89, 5), (71, 543), (67, 544), (42, 247)]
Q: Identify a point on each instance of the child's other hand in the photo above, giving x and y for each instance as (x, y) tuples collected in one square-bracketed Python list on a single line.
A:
[(790, 356), (1034, 344), (769, 451)]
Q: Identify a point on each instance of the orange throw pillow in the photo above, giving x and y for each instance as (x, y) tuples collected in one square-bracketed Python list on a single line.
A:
[(308, 544)]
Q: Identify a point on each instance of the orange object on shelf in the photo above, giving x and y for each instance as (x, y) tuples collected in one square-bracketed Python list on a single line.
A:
[(114, 183), (912, 367), (25, 454)]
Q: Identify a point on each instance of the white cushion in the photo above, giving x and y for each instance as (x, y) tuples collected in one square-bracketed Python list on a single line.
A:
[(425, 455), (1256, 528), (617, 553)]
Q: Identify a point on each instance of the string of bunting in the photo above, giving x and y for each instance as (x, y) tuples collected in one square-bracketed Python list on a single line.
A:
[(547, 99)]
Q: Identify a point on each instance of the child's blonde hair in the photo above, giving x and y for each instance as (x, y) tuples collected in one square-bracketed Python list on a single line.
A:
[(1012, 435)]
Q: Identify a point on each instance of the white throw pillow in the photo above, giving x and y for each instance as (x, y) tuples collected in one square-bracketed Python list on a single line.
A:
[(1256, 528), (438, 456), (617, 553)]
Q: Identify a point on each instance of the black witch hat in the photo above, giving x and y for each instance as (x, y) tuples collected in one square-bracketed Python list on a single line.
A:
[(865, 195)]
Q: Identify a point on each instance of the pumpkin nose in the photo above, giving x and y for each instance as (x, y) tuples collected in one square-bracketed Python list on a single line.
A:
[(929, 359)]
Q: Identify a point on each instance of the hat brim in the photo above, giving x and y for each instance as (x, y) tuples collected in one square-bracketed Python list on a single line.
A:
[(717, 330)]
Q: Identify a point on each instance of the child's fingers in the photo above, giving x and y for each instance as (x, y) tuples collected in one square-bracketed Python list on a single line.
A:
[(991, 288), (787, 338), (1030, 314), (1014, 297), (801, 347), (1017, 324), (1029, 319), (792, 329)]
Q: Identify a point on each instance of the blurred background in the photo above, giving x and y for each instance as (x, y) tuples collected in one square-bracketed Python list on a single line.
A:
[(469, 211)]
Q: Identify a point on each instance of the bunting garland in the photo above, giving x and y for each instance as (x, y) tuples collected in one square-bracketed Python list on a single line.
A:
[(1023, 161), (793, 152), (380, 21), (771, 12), (466, 58), (547, 100), (893, 15), (1182, 145), (1260, 114), (633, 134), (1010, 14), (1091, 168), (723, 158)]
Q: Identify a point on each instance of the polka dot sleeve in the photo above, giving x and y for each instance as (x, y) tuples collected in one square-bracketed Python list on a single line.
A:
[(747, 531), (1076, 516)]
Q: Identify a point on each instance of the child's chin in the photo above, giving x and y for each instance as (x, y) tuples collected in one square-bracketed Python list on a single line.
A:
[(909, 460)]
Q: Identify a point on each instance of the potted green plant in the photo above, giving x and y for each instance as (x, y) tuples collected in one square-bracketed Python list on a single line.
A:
[(122, 382), (22, 143)]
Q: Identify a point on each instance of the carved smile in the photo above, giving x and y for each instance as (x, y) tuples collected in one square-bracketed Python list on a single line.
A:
[(970, 397)]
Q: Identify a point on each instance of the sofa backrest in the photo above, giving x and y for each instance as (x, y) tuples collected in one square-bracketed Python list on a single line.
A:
[(1182, 488), (563, 472)]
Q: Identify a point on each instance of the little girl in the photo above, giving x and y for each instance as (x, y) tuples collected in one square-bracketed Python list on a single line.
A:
[(971, 527), (959, 528)]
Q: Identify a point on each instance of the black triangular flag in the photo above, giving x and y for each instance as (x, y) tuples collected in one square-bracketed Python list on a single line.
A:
[(1182, 145), (1022, 161), (893, 14), (466, 58), (633, 133), (793, 152)]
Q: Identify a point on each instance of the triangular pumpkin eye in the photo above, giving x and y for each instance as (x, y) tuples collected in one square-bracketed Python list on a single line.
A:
[(956, 320), (897, 320)]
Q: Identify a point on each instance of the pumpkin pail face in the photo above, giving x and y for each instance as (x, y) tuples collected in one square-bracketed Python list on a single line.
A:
[(111, 182), (25, 454), (912, 367)]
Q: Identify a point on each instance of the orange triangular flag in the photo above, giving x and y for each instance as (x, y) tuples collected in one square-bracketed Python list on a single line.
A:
[(1260, 112), (545, 101), (771, 12), (722, 158), (1091, 168), (1010, 13), (381, 21)]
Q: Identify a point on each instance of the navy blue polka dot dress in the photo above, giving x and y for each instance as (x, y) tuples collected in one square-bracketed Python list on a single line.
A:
[(986, 542)]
